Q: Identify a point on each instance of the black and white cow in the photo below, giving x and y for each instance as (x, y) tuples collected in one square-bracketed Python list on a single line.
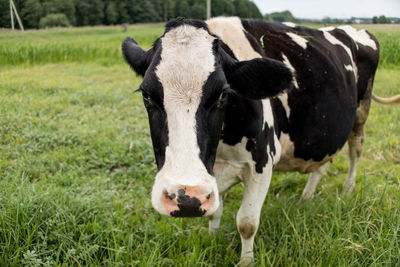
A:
[(231, 100)]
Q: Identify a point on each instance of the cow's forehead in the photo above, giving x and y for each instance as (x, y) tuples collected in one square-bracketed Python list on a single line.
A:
[(187, 59)]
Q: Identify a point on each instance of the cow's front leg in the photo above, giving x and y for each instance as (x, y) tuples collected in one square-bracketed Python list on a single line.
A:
[(215, 219), (227, 176), (248, 218)]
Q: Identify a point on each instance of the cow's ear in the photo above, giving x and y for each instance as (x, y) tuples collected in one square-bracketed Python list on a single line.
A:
[(136, 57), (257, 78)]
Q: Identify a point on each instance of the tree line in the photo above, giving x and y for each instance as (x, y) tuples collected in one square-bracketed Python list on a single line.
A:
[(383, 20), (49, 13), (45, 13)]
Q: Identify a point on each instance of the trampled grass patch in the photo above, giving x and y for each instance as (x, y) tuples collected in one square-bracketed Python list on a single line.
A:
[(77, 167)]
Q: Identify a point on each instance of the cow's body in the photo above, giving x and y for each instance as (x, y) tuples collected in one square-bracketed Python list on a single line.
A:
[(313, 120), (325, 104)]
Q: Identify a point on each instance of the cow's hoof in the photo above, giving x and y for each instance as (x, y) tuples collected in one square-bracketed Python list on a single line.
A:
[(245, 262), (306, 196), (212, 230), (348, 189)]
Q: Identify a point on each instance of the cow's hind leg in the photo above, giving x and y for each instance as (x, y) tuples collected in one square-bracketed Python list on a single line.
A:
[(356, 138), (312, 183), (248, 217), (355, 142)]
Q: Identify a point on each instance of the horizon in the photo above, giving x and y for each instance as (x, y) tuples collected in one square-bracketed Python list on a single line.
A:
[(341, 9)]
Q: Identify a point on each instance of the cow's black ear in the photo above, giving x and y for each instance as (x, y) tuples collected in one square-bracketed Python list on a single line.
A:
[(258, 78), (136, 57)]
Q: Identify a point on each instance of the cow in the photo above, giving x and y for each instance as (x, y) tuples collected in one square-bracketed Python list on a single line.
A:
[(229, 100)]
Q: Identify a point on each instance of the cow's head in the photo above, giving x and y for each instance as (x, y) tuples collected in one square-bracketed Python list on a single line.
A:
[(186, 78)]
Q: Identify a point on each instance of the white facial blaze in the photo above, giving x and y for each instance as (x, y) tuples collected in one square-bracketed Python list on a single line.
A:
[(186, 62)]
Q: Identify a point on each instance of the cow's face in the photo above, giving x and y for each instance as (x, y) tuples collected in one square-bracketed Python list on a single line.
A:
[(186, 79)]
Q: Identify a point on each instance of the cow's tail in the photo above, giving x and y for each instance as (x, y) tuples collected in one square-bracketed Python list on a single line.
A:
[(387, 101)]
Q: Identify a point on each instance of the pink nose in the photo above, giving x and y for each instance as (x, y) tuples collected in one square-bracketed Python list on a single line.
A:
[(187, 201)]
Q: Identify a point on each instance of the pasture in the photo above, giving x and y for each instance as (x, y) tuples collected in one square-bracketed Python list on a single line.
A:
[(77, 167)]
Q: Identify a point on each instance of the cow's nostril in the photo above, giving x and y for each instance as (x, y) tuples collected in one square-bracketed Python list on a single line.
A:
[(172, 196), (181, 192), (208, 196)]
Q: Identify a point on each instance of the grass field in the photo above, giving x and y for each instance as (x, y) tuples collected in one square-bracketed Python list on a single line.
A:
[(77, 166)]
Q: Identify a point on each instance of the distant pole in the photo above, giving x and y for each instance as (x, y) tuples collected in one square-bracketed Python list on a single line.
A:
[(165, 10), (16, 14), (12, 16), (208, 9)]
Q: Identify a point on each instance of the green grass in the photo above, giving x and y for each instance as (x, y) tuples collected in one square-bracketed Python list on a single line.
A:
[(76, 170), (77, 45)]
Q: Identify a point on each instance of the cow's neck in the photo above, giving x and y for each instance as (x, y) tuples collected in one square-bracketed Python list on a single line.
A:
[(243, 118)]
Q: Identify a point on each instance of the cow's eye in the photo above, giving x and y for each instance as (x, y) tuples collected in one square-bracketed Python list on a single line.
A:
[(222, 100), (147, 100)]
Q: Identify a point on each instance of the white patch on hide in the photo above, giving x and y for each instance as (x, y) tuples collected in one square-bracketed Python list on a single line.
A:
[(287, 63), (289, 24), (231, 31), (329, 28), (298, 40), (284, 100), (348, 67), (333, 40), (360, 36)]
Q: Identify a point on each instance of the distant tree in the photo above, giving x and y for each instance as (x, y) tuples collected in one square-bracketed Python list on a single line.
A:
[(254, 12), (5, 21), (96, 13), (67, 7), (123, 16), (82, 10), (158, 6), (54, 20), (375, 20), (327, 20), (246, 9), (182, 8), (89, 12), (198, 11), (168, 9), (383, 20), (31, 13), (141, 11), (241, 9), (49, 7), (111, 14), (285, 15), (149, 13), (222, 7)]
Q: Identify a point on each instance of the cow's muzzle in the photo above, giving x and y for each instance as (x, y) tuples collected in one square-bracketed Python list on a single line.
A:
[(187, 201)]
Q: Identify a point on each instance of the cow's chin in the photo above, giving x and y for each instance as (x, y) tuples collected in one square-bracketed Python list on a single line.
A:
[(199, 200)]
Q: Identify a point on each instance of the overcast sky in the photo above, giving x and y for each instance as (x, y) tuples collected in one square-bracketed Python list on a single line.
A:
[(332, 8)]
